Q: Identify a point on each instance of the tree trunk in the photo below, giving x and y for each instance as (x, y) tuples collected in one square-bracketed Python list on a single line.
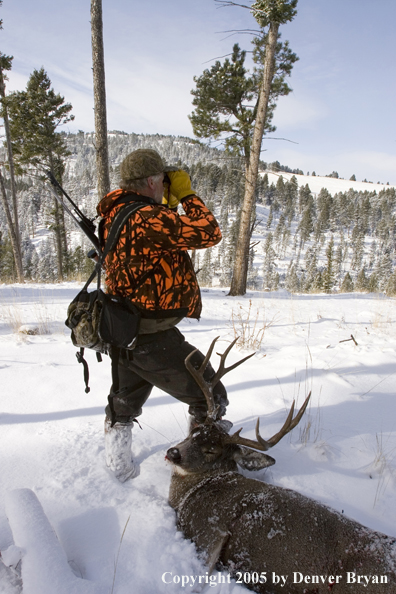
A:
[(57, 226), (11, 229), (13, 225), (241, 264), (102, 157)]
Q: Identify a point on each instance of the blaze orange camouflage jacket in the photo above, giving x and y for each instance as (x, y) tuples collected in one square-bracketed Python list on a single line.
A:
[(150, 264)]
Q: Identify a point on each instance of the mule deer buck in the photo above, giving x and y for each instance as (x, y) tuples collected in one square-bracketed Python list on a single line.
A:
[(272, 539)]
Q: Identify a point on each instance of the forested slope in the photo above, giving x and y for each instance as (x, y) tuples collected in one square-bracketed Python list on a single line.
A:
[(304, 239)]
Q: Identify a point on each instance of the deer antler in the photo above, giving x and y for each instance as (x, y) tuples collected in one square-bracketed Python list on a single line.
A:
[(264, 445), (205, 385)]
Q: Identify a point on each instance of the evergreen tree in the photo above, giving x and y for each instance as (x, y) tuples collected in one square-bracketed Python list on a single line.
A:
[(291, 198), (306, 224), (253, 280), (269, 82), (361, 283), (311, 270), (269, 263), (304, 197), (11, 214), (324, 212), (292, 282), (35, 114), (347, 284), (339, 256), (7, 261), (328, 274), (317, 285), (358, 248), (391, 285), (373, 283), (206, 273)]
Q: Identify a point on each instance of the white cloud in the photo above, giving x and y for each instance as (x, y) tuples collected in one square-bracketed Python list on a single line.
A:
[(372, 160), (371, 165), (296, 111)]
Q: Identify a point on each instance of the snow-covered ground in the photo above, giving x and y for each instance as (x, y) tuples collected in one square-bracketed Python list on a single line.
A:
[(51, 438), (332, 184)]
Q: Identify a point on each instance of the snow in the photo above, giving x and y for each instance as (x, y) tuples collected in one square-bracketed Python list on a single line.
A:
[(41, 548), (51, 439), (332, 184)]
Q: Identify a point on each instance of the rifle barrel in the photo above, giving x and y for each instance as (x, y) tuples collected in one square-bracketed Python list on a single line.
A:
[(85, 224)]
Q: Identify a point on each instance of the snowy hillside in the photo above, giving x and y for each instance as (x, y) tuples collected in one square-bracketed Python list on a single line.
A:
[(311, 233), (333, 185), (342, 454)]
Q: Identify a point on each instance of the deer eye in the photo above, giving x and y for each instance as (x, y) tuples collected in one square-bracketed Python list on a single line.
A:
[(210, 450)]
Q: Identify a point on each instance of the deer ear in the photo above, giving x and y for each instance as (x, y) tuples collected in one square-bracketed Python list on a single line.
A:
[(251, 459)]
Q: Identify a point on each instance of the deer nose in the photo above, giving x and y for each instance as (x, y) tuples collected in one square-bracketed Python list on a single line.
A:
[(173, 455)]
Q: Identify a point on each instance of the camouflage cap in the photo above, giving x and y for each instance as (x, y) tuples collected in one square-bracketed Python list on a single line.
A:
[(140, 164)]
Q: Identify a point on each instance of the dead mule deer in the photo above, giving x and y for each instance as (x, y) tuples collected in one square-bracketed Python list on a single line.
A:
[(273, 540)]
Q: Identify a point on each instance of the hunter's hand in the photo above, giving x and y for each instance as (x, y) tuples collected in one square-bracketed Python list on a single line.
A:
[(180, 187)]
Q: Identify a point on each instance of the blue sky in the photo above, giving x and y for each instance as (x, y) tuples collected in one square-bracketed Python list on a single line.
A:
[(341, 111)]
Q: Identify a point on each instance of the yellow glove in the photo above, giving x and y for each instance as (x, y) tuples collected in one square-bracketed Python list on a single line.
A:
[(168, 198), (180, 186)]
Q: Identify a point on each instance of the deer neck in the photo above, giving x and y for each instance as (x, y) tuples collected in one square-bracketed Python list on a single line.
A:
[(183, 482)]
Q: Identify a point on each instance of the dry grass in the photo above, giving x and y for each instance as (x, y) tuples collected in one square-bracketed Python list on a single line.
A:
[(249, 326), (13, 316), (382, 466)]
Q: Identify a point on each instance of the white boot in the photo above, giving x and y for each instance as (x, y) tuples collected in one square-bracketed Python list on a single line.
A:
[(118, 449)]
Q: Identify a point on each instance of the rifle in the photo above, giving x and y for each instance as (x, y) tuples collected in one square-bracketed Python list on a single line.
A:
[(85, 224)]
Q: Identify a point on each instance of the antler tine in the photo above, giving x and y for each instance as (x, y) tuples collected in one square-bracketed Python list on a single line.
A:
[(223, 370), (206, 387), (208, 354), (290, 423), (263, 444)]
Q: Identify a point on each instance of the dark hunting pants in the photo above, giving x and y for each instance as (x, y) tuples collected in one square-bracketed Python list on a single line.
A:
[(158, 360)]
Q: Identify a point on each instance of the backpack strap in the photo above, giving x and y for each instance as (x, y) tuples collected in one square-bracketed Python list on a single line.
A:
[(119, 221), (115, 230)]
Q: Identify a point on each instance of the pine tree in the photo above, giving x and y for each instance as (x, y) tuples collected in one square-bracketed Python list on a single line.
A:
[(328, 274), (269, 83), (391, 285), (324, 212), (269, 262), (292, 282), (373, 283), (206, 273), (34, 116), (347, 284), (317, 285), (7, 261), (12, 216), (361, 283), (305, 197), (291, 188), (358, 248), (306, 224)]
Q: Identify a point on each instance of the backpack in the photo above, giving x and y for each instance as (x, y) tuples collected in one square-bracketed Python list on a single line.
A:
[(99, 321)]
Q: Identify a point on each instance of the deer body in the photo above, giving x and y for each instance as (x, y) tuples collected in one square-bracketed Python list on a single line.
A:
[(249, 527), (245, 525)]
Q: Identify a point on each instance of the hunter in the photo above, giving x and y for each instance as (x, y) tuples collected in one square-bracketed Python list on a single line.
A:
[(151, 267)]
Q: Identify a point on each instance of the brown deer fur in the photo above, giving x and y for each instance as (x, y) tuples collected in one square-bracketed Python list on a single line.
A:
[(246, 526)]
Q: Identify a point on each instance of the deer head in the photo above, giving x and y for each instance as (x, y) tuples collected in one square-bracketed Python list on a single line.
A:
[(244, 524), (208, 448)]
